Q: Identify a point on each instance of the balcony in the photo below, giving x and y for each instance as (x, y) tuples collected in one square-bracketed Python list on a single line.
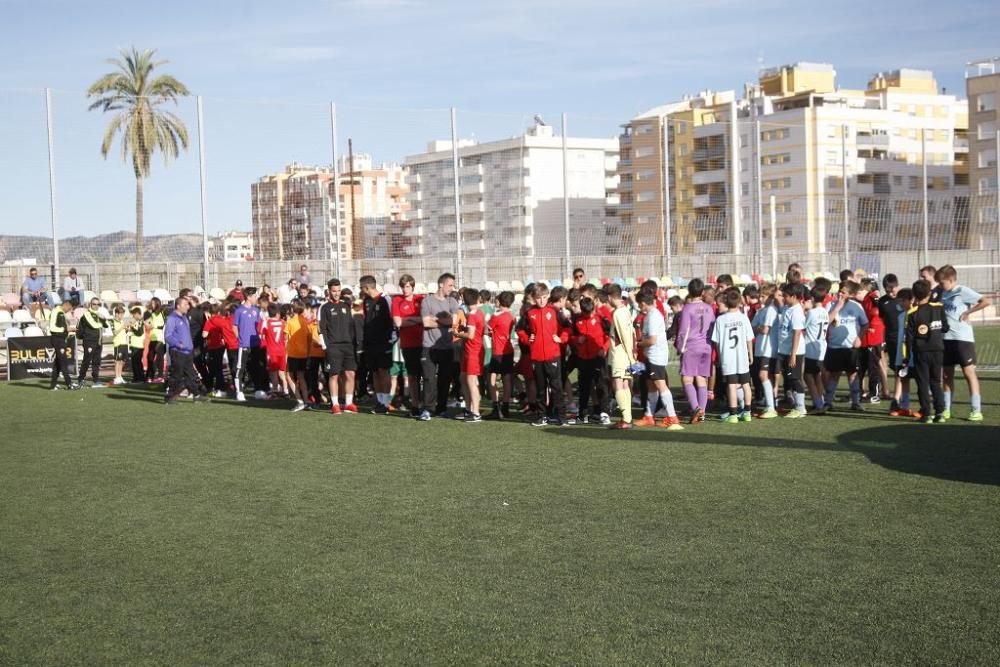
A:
[(711, 199), (877, 140), (717, 151), (710, 176)]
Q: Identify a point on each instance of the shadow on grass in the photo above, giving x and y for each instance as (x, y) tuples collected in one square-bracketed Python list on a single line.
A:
[(960, 453)]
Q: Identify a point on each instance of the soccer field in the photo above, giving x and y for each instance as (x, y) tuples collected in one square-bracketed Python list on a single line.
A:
[(133, 533)]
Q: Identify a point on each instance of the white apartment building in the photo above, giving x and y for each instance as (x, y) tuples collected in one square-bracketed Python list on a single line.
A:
[(232, 246), (511, 196)]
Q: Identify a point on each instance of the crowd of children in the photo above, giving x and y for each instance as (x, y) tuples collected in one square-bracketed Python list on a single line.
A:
[(746, 352)]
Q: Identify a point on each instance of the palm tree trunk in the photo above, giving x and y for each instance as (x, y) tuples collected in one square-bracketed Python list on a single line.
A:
[(138, 224)]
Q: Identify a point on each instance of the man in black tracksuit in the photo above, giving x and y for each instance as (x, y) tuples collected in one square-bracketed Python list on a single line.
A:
[(925, 328), (89, 330), (338, 338), (58, 331)]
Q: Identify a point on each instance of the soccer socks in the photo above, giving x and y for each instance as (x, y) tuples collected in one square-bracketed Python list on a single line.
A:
[(855, 391), (668, 402), (768, 393), (624, 399), (800, 402), (691, 393), (831, 391), (651, 404), (702, 398), (348, 399), (904, 400), (975, 402), (947, 400), (740, 398)]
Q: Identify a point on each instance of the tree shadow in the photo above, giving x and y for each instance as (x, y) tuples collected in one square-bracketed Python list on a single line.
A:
[(953, 452)]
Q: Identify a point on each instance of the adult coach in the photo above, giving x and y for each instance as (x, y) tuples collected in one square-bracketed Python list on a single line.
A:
[(437, 362), (90, 329), (339, 341), (58, 330), (379, 336), (177, 334)]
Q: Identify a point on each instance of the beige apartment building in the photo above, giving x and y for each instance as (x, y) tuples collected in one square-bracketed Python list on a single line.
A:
[(717, 160), (293, 215), (982, 85)]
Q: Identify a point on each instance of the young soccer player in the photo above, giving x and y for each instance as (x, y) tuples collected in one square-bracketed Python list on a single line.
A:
[(273, 340), (137, 344), (590, 340), (546, 338), (900, 365), (215, 350), (959, 340), (792, 346), (297, 330), (847, 321), (500, 329), (871, 362), (406, 317), (817, 324), (692, 344), (119, 341), (889, 314), (621, 354), (472, 359), (926, 327), (766, 328), (654, 342), (733, 338)]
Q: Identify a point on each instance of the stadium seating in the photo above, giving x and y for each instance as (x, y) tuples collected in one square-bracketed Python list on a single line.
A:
[(11, 300), (54, 298), (13, 332), (127, 296), (492, 286), (109, 297), (517, 285), (162, 294), (144, 295), (217, 293), (33, 330), (23, 317)]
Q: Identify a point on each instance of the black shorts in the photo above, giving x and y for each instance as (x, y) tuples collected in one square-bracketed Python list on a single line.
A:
[(502, 364), (841, 360), (813, 366), (297, 364), (768, 364), (959, 353), (411, 359), (737, 379), (378, 357), (655, 372), (890, 351), (121, 353), (340, 358)]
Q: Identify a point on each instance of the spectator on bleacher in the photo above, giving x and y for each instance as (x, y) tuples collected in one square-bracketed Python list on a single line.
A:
[(33, 290), (72, 288), (177, 334), (288, 291), (236, 294), (304, 275), (579, 278), (89, 330)]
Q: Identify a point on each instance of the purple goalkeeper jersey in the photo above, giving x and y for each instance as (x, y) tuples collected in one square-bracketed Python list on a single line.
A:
[(694, 329)]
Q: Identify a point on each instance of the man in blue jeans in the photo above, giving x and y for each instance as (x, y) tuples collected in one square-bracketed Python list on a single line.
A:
[(33, 292)]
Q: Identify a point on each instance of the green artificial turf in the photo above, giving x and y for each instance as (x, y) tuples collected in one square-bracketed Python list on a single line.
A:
[(134, 533)]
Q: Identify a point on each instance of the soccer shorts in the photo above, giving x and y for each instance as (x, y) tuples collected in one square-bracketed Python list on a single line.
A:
[(738, 378), (813, 366), (619, 363), (277, 363), (502, 364), (767, 364), (959, 353), (472, 363), (841, 360), (411, 359), (121, 353), (378, 357), (339, 358), (297, 364), (697, 363), (656, 372)]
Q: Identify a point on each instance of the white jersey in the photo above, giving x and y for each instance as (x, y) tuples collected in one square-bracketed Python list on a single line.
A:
[(731, 334), (817, 323), (766, 345)]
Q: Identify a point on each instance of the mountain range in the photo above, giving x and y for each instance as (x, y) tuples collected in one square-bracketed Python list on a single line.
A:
[(115, 247)]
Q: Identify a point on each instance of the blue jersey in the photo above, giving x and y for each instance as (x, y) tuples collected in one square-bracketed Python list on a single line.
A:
[(850, 322), (956, 301), (766, 345), (817, 323), (792, 320)]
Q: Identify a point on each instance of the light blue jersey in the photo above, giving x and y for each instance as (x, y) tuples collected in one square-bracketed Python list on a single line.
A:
[(956, 301), (817, 322), (851, 321), (731, 334), (766, 345), (654, 325), (792, 320)]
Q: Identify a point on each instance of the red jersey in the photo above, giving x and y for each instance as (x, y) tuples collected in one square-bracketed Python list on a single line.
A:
[(409, 336), (474, 345), (501, 326), (874, 335), (216, 328), (228, 335), (590, 338), (273, 337), (549, 334)]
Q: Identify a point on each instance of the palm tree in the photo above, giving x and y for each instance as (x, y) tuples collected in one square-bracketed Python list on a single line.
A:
[(137, 98)]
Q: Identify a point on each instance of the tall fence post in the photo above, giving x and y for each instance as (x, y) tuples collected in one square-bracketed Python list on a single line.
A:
[(774, 241), (997, 202), (666, 238), (204, 194), (458, 198), (336, 184), (843, 178), (52, 190), (758, 192), (923, 178), (565, 179)]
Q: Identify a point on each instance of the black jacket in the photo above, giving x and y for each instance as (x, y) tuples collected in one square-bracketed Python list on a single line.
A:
[(336, 324)]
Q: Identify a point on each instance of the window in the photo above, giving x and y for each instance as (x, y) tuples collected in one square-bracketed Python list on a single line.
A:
[(986, 102), (988, 158), (786, 232), (783, 207), (914, 182), (744, 189), (897, 180), (777, 183), (743, 140), (986, 185), (644, 174), (777, 158), (833, 157), (643, 151), (774, 135), (682, 127), (832, 131), (986, 130), (644, 129), (684, 149), (644, 219), (744, 163), (646, 196)]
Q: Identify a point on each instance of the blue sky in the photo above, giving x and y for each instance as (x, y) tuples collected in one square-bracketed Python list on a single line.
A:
[(267, 72)]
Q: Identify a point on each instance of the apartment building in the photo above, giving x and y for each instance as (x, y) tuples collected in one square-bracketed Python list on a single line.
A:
[(511, 196), (982, 85), (231, 246), (794, 134), (293, 215)]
